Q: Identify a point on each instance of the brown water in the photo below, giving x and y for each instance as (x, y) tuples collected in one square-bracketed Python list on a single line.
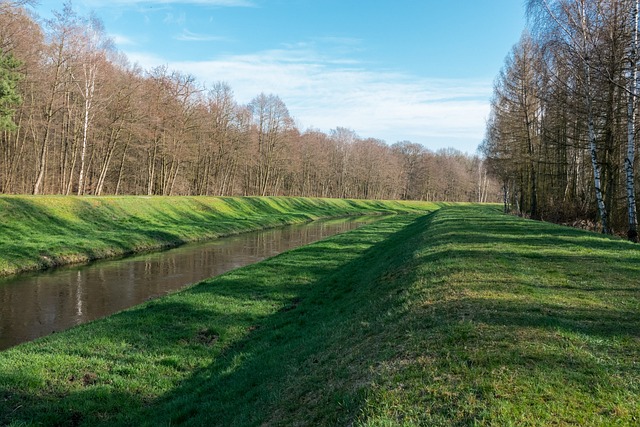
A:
[(38, 304)]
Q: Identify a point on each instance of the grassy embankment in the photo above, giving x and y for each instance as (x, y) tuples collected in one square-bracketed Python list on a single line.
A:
[(461, 317), (41, 232)]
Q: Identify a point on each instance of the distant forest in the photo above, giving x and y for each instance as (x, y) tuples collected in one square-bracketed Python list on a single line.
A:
[(563, 132), (77, 118)]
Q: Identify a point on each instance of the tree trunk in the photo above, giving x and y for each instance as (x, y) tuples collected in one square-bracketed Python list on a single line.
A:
[(121, 169), (632, 231), (593, 149), (89, 88)]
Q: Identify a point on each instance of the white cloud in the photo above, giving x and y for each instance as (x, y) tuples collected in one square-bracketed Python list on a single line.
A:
[(224, 3), (179, 19), (121, 40), (324, 92), (187, 35)]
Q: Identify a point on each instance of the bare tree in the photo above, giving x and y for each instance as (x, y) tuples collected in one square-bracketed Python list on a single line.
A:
[(61, 29), (92, 124), (272, 121), (90, 46), (577, 22)]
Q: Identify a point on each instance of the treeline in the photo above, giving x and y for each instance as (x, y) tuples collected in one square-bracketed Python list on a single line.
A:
[(90, 123), (562, 135)]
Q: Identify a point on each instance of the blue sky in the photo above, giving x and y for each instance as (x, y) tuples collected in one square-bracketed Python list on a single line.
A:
[(417, 70)]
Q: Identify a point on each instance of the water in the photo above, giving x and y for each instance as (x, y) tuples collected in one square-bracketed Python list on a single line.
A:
[(38, 304)]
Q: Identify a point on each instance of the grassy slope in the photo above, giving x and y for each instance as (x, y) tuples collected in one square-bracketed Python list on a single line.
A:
[(460, 317), (40, 232), (513, 322)]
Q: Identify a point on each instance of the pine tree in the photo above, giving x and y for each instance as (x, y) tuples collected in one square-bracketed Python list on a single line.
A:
[(9, 96)]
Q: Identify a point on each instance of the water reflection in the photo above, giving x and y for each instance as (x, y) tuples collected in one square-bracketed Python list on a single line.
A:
[(39, 304)]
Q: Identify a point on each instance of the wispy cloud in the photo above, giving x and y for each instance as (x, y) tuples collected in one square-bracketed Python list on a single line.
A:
[(121, 40), (171, 18), (223, 3), (187, 35), (326, 92)]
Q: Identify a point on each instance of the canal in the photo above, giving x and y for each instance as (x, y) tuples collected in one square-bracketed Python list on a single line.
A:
[(39, 304)]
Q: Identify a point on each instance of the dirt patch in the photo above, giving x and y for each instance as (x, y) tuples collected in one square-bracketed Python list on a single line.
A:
[(87, 379), (206, 337)]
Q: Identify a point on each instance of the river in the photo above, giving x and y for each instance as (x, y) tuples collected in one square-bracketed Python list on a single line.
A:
[(38, 304)]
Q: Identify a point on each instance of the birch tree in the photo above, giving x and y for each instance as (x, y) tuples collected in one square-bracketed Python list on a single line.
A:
[(576, 23), (633, 81), (90, 46)]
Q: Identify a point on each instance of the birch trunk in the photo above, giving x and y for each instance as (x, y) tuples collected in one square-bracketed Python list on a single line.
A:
[(89, 87), (593, 148), (632, 232)]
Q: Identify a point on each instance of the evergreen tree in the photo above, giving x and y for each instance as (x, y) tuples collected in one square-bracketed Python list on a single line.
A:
[(9, 96)]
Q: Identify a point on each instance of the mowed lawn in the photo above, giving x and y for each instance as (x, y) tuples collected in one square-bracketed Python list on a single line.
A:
[(464, 316)]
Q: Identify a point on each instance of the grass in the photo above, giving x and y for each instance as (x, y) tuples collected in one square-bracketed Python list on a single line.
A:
[(513, 322), (46, 231), (460, 317)]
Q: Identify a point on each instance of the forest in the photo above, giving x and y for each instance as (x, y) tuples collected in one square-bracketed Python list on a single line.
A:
[(563, 131), (79, 119)]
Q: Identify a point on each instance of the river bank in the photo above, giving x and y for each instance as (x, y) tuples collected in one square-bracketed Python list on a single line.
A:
[(464, 316), (54, 300), (39, 232)]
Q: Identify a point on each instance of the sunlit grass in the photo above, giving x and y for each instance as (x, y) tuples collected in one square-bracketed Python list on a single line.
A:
[(514, 322), (221, 352), (461, 317), (44, 231)]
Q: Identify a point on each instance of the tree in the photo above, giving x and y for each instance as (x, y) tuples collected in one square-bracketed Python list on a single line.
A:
[(412, 174), (588, 82), (90, 123), (272, 121), (517, 122), (225, 136), (60, 32), (9, 96), (90, 46), (577, 23), (633, 81)]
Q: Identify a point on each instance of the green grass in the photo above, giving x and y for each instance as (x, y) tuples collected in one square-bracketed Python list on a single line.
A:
[(511, 322), (460, 317), (45, 231)]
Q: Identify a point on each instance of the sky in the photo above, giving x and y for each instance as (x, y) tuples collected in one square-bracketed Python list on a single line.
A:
[(396, 70)]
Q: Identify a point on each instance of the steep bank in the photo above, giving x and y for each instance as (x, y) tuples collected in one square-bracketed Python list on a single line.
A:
[(41, 232)]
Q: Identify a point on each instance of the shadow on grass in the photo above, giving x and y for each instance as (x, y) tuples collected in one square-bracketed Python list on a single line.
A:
[(222, 351), (309, 362), (514, 322), (425, 321), (550, 276)]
